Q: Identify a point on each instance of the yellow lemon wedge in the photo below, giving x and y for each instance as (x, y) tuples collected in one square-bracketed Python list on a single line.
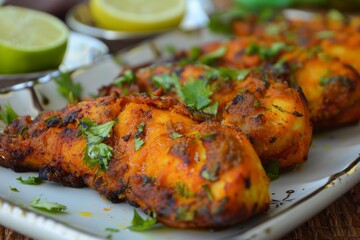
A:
[(30, 40), (137, 15)]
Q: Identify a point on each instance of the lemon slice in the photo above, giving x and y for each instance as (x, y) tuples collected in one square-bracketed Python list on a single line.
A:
[(30, 40), (137, 15)]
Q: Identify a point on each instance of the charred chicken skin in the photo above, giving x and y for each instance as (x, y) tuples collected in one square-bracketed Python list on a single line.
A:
[(155, 154), (274, 116)]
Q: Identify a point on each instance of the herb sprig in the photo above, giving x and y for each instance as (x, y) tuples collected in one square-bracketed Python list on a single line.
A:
[(67, 88), (49, 207), (8, 115), (96, 152), (140, 224)]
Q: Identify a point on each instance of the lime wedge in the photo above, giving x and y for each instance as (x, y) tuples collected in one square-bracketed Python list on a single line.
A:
[(137, 15), (30, 40)]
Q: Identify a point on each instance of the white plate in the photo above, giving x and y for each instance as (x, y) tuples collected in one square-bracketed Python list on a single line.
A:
[(331, 170)]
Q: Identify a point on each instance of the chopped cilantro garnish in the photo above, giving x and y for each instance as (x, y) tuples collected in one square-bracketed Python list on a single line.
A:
[(140, 224), (175, 135), (167, 82), (112, 230), (8, 115), (138, 142), (257, 104), (96, 152), (196, 93), (140, 127), (212, 109), (209, 58), (273, 170), (13, 189), (266, 53), (227, 74), (127, 77), (50, 207), (210, 174), (67, 88), (30, 180), (182, 190)]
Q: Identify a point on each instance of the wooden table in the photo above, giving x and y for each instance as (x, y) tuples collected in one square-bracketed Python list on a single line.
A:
[(341, 220)]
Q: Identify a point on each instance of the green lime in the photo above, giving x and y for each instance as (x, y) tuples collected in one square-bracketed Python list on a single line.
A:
[(30, 40)]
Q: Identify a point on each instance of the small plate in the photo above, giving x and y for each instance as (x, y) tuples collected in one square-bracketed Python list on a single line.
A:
[(81, 50), (79, 19)]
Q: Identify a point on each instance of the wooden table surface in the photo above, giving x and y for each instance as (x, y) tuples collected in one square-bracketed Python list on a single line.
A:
[(341, 220)]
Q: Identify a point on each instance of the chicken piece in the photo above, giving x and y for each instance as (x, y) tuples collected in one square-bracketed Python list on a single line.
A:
[(273, 115), (330, 85), (191, 174)]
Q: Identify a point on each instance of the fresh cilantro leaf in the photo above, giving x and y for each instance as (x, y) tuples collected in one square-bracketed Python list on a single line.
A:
[(227, 74), (257, 104), (127, 77), (67, 88), (140, 127), (50, 207), (273, 170), (112, 230), (96, 152), (30, 180), (8, 115), (182, 190), (175, 135), (212, 109), (140, 224), (196, 93), (138, 142), (101, 153), (13, 189), (209, 58), (266, 53), (166, 81), (210, 174)]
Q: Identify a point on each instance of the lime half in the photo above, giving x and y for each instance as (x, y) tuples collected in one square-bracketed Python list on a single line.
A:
[(137, 15), (30, 40)]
